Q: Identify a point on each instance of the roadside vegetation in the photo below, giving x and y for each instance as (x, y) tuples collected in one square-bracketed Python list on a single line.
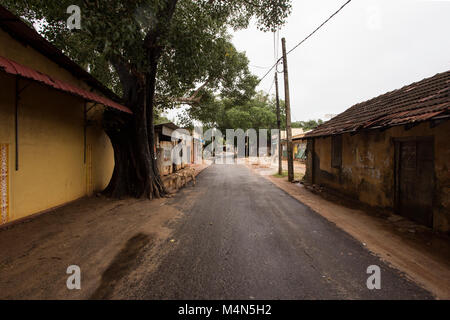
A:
[(297, 175)]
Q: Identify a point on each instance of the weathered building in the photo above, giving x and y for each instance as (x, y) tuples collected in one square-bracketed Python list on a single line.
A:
[(197, 147), (298, 146), (52, 146), (164, 147), (391, 152), (187, 143)]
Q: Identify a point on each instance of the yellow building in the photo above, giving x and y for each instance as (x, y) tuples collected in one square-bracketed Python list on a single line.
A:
[(392, 152), (52, 147)]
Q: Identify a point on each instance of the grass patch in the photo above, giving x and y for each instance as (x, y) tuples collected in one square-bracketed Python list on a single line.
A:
[(284, 174)]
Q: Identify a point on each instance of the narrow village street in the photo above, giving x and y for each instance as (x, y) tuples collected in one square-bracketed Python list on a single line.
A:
[(235, 235), (224, 159), (246, 239)]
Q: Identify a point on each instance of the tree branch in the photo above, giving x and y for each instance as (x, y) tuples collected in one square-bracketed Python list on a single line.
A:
[(194, 98)]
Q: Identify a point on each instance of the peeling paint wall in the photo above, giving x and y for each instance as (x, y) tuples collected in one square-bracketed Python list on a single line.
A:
[(368, 167), (298, 147)]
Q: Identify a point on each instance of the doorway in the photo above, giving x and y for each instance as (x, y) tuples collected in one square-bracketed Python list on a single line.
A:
[(414, 179)]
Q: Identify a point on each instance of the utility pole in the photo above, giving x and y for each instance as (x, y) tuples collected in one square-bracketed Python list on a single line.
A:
[(280, 165), (290, 152)]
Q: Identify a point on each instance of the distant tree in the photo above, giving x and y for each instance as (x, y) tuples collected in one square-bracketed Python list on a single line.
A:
[(159, 119), (257, 111), (307, 125)]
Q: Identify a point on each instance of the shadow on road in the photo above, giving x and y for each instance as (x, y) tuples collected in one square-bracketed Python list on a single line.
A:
[(121, 265)]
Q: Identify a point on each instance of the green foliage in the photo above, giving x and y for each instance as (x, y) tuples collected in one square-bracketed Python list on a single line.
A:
[(197, 48), (297, 175), (159, 118), (307, 125), (252, 111)]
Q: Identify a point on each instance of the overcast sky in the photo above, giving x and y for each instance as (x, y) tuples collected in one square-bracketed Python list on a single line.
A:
[(369, 48)]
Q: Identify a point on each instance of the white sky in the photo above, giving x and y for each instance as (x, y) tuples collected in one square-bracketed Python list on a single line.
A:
[(369, 48)]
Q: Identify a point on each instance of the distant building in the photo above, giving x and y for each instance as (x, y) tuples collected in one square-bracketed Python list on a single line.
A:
[(298, 146), (189, 145), (164, 147), (52, 146), (295, 132), (330, 115), (392, 151)]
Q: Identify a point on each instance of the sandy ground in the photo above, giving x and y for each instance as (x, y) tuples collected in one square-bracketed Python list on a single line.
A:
[(421, 254), (117, 242), (105, 238)]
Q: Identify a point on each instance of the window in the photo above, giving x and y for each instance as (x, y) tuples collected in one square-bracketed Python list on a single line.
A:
[(336, 151)]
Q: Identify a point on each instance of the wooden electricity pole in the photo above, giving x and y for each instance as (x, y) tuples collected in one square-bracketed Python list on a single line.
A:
[(290, 152), (280, 165)]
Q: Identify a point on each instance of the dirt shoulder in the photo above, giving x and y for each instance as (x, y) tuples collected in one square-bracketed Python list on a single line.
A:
[(423, 257), (106, 238)]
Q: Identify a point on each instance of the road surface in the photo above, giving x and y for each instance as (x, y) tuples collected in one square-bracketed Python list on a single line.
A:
[(241, 237)]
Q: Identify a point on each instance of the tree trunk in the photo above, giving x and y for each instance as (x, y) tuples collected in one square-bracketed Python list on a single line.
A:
[(135, 171)]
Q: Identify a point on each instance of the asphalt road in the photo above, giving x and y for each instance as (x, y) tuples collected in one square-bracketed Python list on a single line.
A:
[(243, 238)]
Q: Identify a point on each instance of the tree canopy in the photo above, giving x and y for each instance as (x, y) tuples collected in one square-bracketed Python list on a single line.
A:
[(257, 111), (198, 55)]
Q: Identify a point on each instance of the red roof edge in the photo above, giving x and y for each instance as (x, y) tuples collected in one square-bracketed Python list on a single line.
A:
[(17, 69)]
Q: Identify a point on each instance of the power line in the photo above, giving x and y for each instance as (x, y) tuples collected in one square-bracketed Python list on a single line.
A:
[(306, 38), (269, 70), (342, 7)]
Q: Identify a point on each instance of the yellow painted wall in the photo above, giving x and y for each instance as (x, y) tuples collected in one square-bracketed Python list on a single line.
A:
[(52, 170), (367, 171), (102, 151), (31, 58)]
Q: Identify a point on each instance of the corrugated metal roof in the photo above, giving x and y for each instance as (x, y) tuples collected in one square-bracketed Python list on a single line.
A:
[(17, 69), (419, 101), (21, 31)]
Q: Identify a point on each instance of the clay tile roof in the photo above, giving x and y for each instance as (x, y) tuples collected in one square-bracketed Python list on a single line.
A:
[(419, 101)]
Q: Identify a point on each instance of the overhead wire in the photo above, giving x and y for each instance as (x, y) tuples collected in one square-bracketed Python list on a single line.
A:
[(306, 38)]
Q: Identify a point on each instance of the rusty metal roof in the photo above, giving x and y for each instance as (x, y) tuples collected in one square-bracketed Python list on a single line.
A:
[(21, 31), (17, 69), (419, 101)]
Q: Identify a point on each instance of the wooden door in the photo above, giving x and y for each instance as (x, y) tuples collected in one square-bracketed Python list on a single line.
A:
[(415, 179)]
